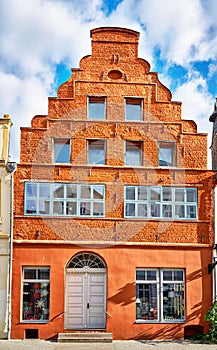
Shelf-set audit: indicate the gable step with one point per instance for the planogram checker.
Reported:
(85, 337)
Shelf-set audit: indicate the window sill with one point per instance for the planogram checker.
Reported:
(159, 322)
(34, 321)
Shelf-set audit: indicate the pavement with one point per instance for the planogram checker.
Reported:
(115, 345)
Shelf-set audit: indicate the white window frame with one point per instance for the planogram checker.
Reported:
(96, 141)
(148, 313)
(40, 300)
(96, 99)
(62, 141)
(138, 145)
(133, 100)
(64, 202)
(158, 207)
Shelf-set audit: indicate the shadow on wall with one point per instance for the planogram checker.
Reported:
(125, 295)
(166, 332)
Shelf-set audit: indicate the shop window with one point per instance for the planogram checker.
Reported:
(160, 202)
(64, 199)
(133, 153)
(133, 108)
(96, 151)
(62, 150)
(160, 295)
(167, 154)
(36, 294)
(96, 107)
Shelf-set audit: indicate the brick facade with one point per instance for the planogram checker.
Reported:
(114, 71)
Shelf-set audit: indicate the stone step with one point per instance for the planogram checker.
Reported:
(85, 337)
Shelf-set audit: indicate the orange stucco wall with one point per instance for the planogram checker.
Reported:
(121, 262)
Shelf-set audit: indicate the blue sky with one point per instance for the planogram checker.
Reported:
(41, 40)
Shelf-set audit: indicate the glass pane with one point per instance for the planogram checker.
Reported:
(179, 195)
(167, 194)
(44, 274)
(151, 275)
(191, 195)
(173, 301)
(96, 110)
(30, 207)
(30, 274)
(36, 301)
(142, 193)
(31, 189)
(191, 212)
(130, 192)
(179, 211)
(146, 301)
(85, 208)
(140, 275)
(58, 208)
(178, 275)
(167, 275)
(165, 156)
(62, 151)
(130, 209)
(133, 154)
(155, 210)
(155, 194)
(133, 109)
(86, 192)
(44, 207)
(167, 211)
(98, 192)
(98, 209)
(143, 210)
(96, 151)
(71, 208)
(71, 191)
(44, 190)
(58, 191)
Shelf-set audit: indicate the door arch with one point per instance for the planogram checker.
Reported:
(85, 302)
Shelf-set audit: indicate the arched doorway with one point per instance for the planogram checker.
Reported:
(85, 292)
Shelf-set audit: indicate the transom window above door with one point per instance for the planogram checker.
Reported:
(133, 108)
(86, 260)
(96, 107)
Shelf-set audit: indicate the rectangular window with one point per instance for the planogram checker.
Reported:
(64, 199)
(167, 154)
(62, 150)
(96, 151)
(96, 107)
(133, 108)
(160, 202)
(36, 294)
(160, 295)
(133, 153)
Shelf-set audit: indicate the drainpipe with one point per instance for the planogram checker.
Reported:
(11, 167)
(215, 247)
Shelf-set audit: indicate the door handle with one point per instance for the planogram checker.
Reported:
(88, 305)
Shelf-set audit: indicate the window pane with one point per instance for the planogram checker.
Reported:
(191, 211)
(44, 274)
(36, 301)
(58, 208)
(133, 153)
(155, 210)
(85, 208)
(96, 152)
(155, 194)
(133, 108)
(179, 211)
(98, 192)
(58, 191)
(96, 107)
(30, 207)
(44, 190)
(191, 195)
(173, 301)
(165, 156)
(142, 193)
(31, 189)
(167, 194)
(30, 274)
(167, 211)
(85, 192)
(151, 275)
(71, 191)
(167, 275)
(179, 195)
(44, 207)
(143, 210)
(146, 301)
(130, 192)
(71, 208)
(62, 151)
(178, 275)
(130, 209)
(98, 209)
